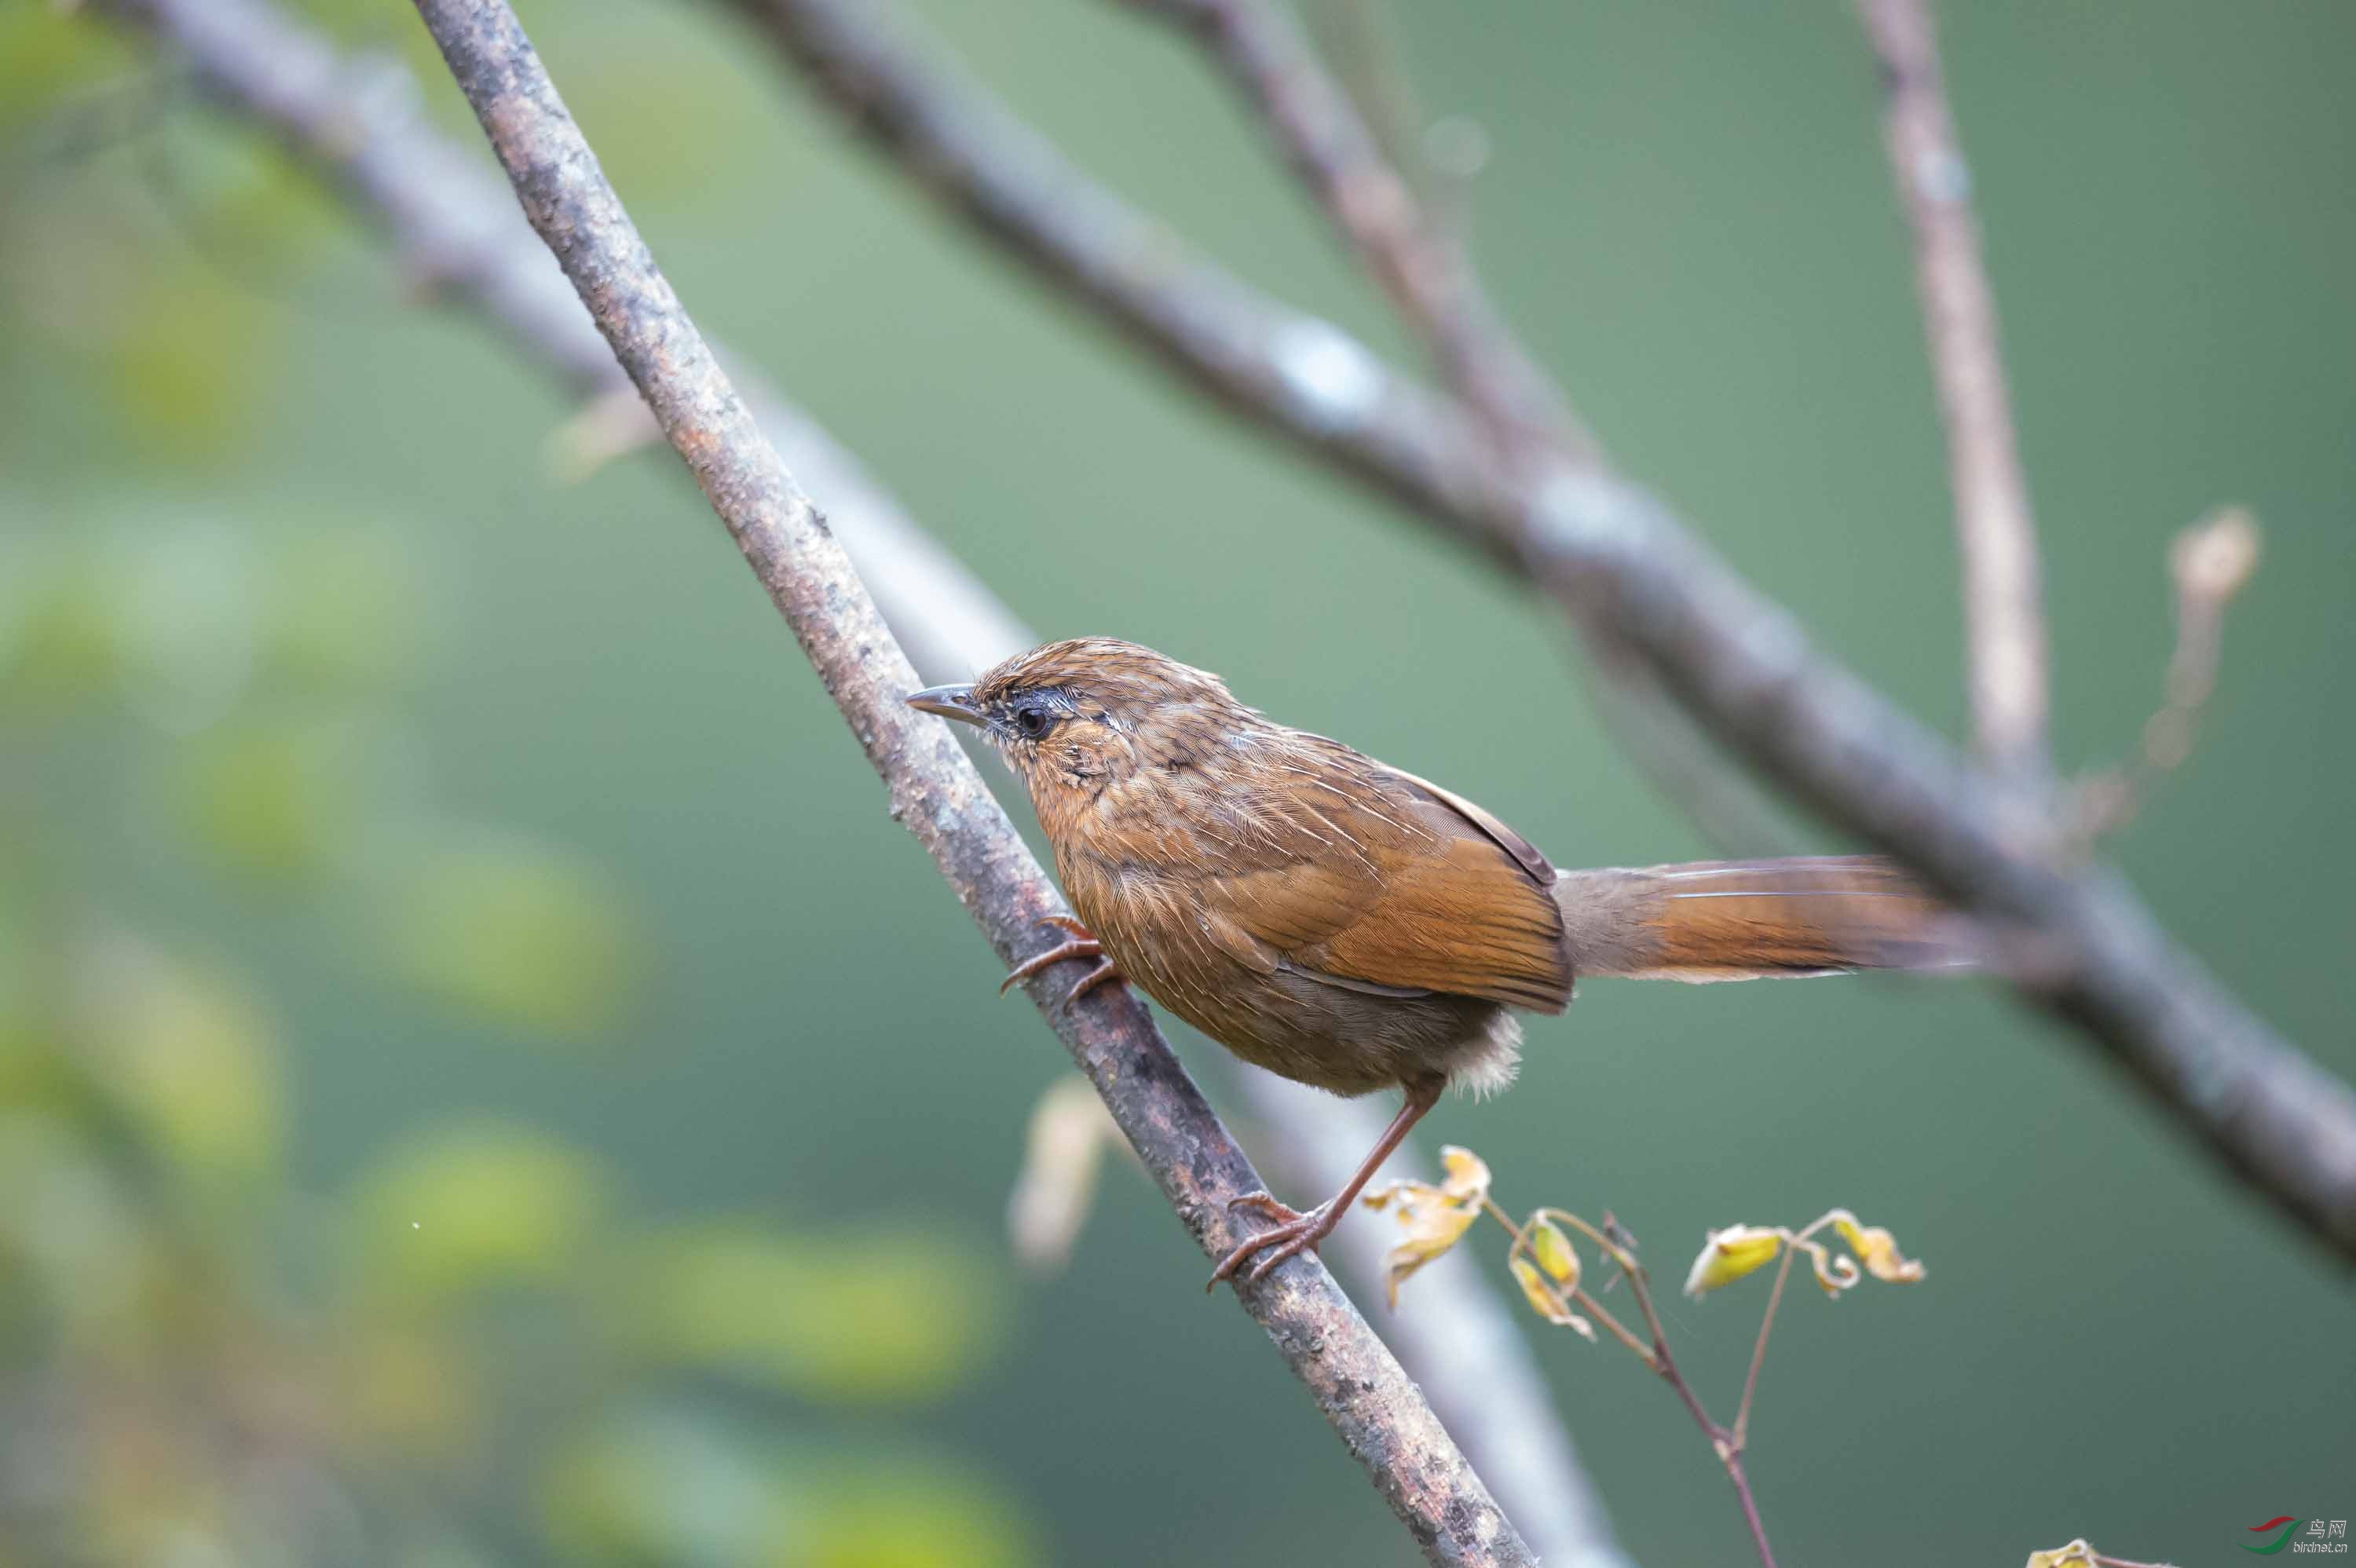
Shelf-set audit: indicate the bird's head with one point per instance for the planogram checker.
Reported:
(1088, 714)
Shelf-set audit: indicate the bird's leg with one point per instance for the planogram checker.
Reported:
(1297, 1233)
(1083, 945)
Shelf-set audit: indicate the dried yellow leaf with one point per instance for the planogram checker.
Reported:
(1876, 1250)
(1731, 1254)
(1433, 1225)
(1403, 1193)
(1543, 1298)
(1434, 1218)
(2077, 1554)
(1070, 1130)
(1468, 1174)
(1835, 1271)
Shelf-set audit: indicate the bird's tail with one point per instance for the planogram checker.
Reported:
(1726, 919)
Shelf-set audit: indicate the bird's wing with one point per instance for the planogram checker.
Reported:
(1375, 880)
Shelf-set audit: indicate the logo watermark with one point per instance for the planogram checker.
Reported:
(2285, 1532)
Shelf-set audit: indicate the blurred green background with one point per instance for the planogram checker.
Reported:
(481, 1080)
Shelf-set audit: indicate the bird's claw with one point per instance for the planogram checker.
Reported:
(1293, 1234)
(1083, 945)
(1267, 1204)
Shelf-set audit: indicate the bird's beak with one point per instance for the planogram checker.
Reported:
(948, 701)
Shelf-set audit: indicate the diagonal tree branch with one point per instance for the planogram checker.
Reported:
(1419, 264)
(1277, 369)
(935, 789)
(358, 124)
(2004, 620)
(1618, 560)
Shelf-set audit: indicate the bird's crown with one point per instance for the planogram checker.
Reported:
(1117, 675)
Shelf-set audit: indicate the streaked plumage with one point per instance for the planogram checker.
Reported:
(1348, 924)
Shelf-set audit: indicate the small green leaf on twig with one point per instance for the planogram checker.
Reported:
(1553, 1251)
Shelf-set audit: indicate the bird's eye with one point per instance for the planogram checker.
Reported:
(1032, 723)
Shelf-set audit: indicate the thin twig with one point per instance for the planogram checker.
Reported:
(1759, 1351)
(358, 124)
(1721, 1441)
(1418, 262)
(1579, 1296)
(2004, 617)
(1463, 1343)
(1613, 556)
(1727, 1445)
(1359, 38)
(2209, 562)
(935, 791)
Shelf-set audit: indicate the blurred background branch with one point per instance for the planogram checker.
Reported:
(2004, 618)
(1420, 263)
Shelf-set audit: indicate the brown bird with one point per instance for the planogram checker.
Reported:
(1351, 926)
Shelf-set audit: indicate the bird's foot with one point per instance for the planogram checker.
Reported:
(1294, 1233)
(1083, 945)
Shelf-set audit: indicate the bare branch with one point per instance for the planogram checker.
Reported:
(1731, 808)
(458, 225)
(1277, 369)
(934, 790)
(1615, 558)
(2004, 618)
(1420, 265)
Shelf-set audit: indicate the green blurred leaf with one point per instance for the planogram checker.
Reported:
(1553, 1251)
(878, 1314)
(68, 1226)
(882, 1517)
(64, 638)
(520, 932)
(372, 32)
(410, 1390)
(675, 1489)
(188, 1050)
(50, 57)
(144, 600)
(477, 1204)
(345, 609)
(186, 359)
(683, 120)
(183, 582)
(661, 1488)
(278, 799)
(249, 210)
(20, 1027)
